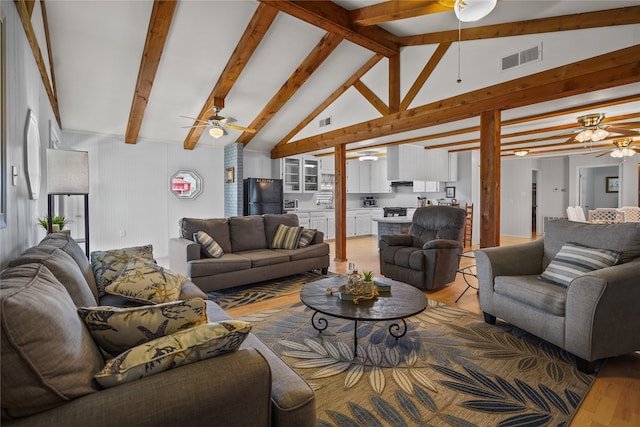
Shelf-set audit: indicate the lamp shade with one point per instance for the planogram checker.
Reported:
(67, 172)
(473, 10)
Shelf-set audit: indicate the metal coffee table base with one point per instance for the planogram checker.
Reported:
(321, 323)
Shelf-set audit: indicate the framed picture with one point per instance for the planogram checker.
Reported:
(185, 184)
(450, 192)
(229, 175)
(613, 184)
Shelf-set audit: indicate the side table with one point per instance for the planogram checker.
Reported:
(468, 272)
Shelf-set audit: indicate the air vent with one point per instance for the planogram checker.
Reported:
(532, 54)
(325, 122)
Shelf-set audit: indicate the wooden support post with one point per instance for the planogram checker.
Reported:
(490, 179)
(341, 202)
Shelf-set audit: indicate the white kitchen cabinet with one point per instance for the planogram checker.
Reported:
(311, 174)
(353, 176)
(453, 167)
(426, 186)
(331, 227)
(367, 177)
(375, 214)
(413, 163)
(419, 186)
(379, 182)
(327, 164)
(351, 225)
(289, 170)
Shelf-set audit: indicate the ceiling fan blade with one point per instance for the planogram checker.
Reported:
(622, 131)
(606, 152)
(196, 119)
(243, 129)
(196, 126)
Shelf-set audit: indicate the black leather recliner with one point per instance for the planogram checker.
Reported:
(428, 257)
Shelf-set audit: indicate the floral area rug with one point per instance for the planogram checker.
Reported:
(248, 294)
(450, 369)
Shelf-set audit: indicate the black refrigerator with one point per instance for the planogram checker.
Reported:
(263, 195)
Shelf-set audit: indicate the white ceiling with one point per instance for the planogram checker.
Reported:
(97, 48)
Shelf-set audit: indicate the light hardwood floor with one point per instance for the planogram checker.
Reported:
(614, 399)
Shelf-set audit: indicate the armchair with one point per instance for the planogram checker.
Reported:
(594, 317)
(428, 257)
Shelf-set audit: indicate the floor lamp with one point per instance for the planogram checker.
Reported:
(68, 174)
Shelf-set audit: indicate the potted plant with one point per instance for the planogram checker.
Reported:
(367, 276)
(58, 220)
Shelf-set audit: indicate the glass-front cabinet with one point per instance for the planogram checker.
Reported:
(311, 174)
(292, 175)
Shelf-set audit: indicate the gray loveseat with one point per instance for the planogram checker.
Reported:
(248, 257)
(594, 317)
(49, 359)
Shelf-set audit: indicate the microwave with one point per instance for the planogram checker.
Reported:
(291, 204)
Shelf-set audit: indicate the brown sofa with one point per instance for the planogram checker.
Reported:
(49, 359)
(248, 257)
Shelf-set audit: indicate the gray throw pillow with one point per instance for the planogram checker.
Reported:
(575, 260)
(306, 237)
(210, 247)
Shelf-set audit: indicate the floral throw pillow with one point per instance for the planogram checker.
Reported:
(147, 283)
(117, 329)
(178, 349)
(108, 265)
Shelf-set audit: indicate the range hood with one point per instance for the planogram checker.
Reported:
(402, 183)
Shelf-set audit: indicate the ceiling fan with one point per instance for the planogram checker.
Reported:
(594, 130)
(623, 148)
(218, 124)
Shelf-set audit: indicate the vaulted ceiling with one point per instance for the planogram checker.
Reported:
(383, 72)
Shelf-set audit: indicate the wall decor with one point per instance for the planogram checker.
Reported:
(185, 184)
(613, 184)
(450, 192)
(32, 154)
(229, 175)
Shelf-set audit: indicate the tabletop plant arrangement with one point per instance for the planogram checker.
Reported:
(358, 287)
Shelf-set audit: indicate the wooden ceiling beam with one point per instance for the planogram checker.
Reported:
(394, 10)
(578, 21)
(424, 74)
(309, 65)
(373, 99)
(335, 95)
(45, 22)
(251, 38)
(601, 72)
(157, 33)
(22, 7)
(335, 19)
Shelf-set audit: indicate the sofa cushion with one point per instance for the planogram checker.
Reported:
(286, 237)
(404, 256)
(147, 283)
(48, 355)
(71, 247)
(171, 351)
(272, 221)
(576, 260)
(618, 237)
(311, 251)
(210, 266)
(531, 291)
(306, 237)
(107, 265)
(117, 329)
(209, 247)
(263, 257)
(247, 233)
(217, 228)
(63, 267)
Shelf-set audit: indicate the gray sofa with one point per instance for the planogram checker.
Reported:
(49, 359)
(596, 316)
(248, 257)
(427, 257)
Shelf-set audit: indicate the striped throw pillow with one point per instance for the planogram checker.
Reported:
(286, 237)
(306, 237)
(575, 260)
(210, 247)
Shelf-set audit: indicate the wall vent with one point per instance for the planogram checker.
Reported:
(325, 122)
(532, 54)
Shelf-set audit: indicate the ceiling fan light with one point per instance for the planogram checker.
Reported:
(521, 153)
(617, 154)
(585, 135)
(628, 152)
(216, 132)
(367, 158)
(599, 134)
(473, 10)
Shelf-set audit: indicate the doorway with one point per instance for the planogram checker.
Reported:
(534, 203)
(593, 187)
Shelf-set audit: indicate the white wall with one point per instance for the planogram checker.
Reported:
(129, 199)
(23, 91)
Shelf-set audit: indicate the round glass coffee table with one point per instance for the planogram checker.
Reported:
(400, 302)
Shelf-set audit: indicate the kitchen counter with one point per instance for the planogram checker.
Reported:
(394, 219)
